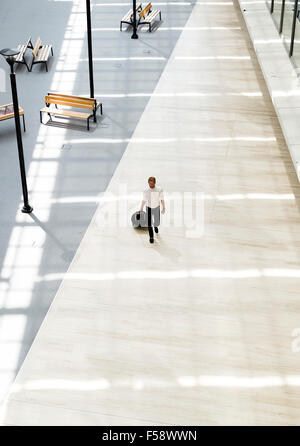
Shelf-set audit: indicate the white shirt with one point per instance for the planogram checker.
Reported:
(153, 196)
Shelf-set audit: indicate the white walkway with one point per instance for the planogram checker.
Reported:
(194, 329)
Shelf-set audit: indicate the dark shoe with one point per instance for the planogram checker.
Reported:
(156, 230)
(151, 240)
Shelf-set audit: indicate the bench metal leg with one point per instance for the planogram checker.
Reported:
(88, 123)
(101, 109)
(50, 117)
(46, 66)
(52, 51)
(120, 26)
(26, 65)
(41, 118)
(24, 123)
(23, 62)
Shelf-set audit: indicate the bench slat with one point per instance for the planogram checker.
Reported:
(145, 10)
(151, 16)
(43, 55)
(71, 97)
(126, 17)
(67, 102)
(10, 115)
(36, 47)
(6, 105)
(40, 54)
(74, 102)
(71, 114)
(22, 49)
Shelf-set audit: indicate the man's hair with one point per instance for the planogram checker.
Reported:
(152, 179)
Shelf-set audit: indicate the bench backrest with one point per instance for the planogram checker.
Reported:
(28, 42)
(72, 97)
(71, 101)
(138, 9)
(145, 11)
(36, 47)
(20, 56)
(25, 48)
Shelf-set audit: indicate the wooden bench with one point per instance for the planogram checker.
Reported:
(147, 16)
(7, 112)
(128, 18)
(73, 102)
(20, 58)
(41, 53)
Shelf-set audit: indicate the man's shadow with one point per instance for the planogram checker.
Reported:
(165, 250)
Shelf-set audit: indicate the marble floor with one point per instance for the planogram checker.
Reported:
(202, 327)
(65, 180)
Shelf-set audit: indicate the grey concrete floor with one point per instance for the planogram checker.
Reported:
(85, 168)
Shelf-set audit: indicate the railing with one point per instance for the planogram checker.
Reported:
(285, 14)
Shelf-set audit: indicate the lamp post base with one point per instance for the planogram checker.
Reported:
(27, 209)
(134, 36)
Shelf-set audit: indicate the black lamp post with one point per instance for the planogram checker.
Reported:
(90, 48)
(9, 55)
(134, 34)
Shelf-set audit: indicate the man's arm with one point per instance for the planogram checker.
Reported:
(162, 200)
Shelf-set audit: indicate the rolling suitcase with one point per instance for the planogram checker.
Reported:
(139, 220)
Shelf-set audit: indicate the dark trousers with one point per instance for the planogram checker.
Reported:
(153, 219)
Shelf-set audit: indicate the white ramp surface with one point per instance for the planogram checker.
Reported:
(196, 328)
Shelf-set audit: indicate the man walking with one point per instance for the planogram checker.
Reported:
(152, 197)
